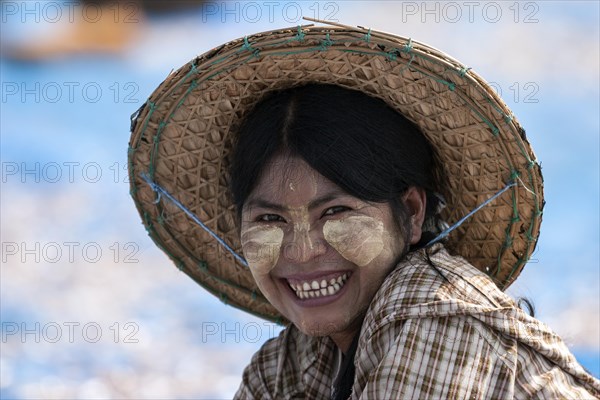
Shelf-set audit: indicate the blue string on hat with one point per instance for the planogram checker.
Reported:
(160, 191)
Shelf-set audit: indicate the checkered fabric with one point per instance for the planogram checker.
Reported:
(443, 332)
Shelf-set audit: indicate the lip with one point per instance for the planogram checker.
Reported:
(315, 301)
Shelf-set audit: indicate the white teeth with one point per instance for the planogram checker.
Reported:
(314, 289)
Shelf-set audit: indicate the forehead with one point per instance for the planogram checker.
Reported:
(291, 178)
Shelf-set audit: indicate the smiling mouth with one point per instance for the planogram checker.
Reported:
(319, 287)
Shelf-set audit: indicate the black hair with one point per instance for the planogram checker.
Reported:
(355, 140)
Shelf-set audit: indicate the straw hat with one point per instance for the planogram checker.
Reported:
(182, 138)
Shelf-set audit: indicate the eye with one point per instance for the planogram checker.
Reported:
(269, 218)
(335, 210)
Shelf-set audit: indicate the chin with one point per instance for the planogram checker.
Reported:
(315, 326)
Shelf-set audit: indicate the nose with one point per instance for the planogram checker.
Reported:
(304, 245)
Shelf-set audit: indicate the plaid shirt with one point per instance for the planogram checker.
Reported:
(445, 334)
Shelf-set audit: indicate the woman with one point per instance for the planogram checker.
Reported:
(326, 155)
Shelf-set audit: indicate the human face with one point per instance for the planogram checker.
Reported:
(318, 254)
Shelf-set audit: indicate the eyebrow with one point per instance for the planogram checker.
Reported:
(314, 203)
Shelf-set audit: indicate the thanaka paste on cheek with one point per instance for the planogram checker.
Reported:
(359, 239)
(261, 245)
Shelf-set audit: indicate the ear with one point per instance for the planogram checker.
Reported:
(415, 201)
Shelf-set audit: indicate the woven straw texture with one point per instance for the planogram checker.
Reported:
(181, 138)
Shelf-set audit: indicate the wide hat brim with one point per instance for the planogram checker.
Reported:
(182, 139)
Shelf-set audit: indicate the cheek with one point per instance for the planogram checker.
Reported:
(359, 239)
(261, 245)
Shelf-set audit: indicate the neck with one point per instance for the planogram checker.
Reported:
(343, 340)
(345, 377)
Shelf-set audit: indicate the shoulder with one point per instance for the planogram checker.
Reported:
(434, 298)
(421, 339)
(261, 375)
(276, 352)
(432, 286)
(278, 368)
(433, 283)
(433, 308)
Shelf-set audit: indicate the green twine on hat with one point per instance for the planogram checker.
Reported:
(203, 266)
(246, 45)
(463, 71)
(193, 69)
(223, 298)
(299, 35)
(249, 48)
(368, 36)
(495, 130)
(326, 43)
(408, 47)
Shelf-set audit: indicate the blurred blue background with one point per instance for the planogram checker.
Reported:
(90, 308)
